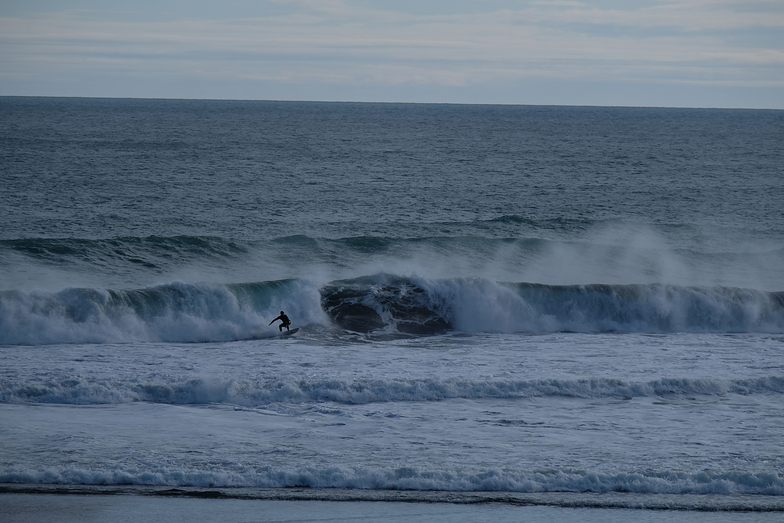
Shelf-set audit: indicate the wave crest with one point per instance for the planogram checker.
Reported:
(380, 305)
(251, 393)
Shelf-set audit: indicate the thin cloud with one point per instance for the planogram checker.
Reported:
(335, 41)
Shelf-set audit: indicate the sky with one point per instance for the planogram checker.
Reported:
(674, 53)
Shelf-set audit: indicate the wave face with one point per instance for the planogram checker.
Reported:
(378, 305)
(176, 312)
(417, 306)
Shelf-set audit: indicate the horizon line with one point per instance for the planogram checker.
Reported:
(500, 104)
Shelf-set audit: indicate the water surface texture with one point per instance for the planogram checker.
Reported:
(513, 299)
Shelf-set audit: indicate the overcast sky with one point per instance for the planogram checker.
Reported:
(681, 53)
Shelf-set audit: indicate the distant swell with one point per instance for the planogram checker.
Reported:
(250, 393)
(150, 253)
(380, 305)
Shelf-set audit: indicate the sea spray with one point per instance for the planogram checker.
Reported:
(380, 304)
(173, 312)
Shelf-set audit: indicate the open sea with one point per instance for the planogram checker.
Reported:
(555, 306)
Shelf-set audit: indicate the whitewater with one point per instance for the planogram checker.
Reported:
(577, 307)
(380, 305)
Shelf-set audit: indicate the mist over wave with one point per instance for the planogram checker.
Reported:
(377, 305)
(610, 253)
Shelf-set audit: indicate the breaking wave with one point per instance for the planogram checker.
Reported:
(415, 479)
(419, 306)
(255, 393)
(378, 305)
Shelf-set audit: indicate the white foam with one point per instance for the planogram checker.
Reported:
(475, 305)
(254, 393)
(413, 478)
(173, 312)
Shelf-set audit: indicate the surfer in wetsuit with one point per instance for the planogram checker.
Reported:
(284, 321)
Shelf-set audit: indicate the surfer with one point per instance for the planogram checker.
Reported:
(284, 321)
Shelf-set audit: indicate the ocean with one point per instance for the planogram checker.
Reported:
(554, 306)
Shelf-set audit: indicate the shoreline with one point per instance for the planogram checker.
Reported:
(609, 500)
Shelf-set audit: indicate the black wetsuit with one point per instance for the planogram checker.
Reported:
(284, 321)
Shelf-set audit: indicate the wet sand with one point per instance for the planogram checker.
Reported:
(38, 504)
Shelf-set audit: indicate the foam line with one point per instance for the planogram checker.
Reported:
(255, 393)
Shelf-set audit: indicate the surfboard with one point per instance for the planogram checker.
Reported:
(268, 335)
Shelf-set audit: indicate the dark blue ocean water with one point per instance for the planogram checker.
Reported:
(458, 273)
(251, 171)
